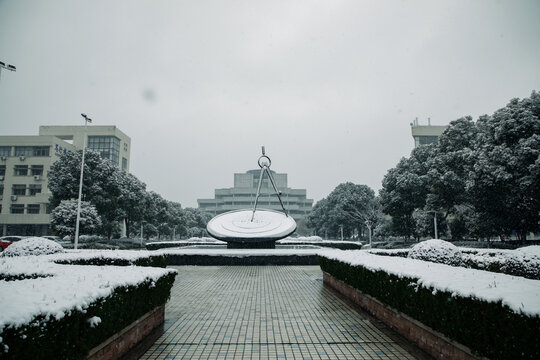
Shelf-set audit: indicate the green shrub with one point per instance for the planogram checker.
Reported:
(489, 329)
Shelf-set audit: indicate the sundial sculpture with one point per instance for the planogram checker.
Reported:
(254, 228)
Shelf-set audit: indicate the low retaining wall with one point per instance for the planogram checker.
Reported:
(121, 343)
(429, 340)
(209, 260)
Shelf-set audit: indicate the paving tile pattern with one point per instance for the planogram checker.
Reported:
(266, 312)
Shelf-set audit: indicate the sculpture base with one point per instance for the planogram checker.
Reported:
(270, 244)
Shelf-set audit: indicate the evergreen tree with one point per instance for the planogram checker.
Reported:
(64, 217)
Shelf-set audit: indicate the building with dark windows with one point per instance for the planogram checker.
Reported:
(25, 162)
(109, 141)
(242, 196)
(426, 134)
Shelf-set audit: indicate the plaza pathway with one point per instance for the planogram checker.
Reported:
(267, 312)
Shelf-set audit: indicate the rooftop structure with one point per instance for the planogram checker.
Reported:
(426, 134)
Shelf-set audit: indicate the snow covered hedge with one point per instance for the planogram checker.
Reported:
(496, 315)
(62, 311)
(182, 243)
(523, 262)
(318, 241)
(115, 257)
(33, 246)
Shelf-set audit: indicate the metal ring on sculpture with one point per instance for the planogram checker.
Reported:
(264, 157)
(236, 226)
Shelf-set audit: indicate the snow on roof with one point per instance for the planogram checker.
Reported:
(518, 293)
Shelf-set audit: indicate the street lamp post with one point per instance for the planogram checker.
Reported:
(86, 121)
(341, 230)
(435, 224)
(369, 224)
(9, 67)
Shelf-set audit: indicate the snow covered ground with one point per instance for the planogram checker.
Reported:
(520, 294)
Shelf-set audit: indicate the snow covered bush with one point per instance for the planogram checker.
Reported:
(64, 216)
(33, 246)
(438, 251)
(523, 262)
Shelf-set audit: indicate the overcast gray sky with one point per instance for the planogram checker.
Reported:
(329, 87)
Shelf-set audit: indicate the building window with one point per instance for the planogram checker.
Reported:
(32, 150)
(17, 208)
(24, 150)
(41, 150)
(36, 170)
(21, 170)
(5, 150)
(32, 209)
(426, 140)
(1, 190)
(125, 147)
(2, 170)
(124, 164)
(18, 189)
(34, 189)
(107, 146)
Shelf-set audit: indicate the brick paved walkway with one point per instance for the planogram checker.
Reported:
(267, 312)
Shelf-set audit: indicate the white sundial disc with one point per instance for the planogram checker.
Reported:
(266, 225)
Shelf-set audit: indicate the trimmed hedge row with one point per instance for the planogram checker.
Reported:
(72, 337)
(11, 277)
(151, 261)
(398, 253)
(488, 329)
(489, 261)
(333, 245)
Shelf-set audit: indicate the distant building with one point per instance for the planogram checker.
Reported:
(25, 162)
(426, 134)
(242, 196)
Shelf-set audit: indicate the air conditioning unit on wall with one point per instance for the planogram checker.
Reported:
(37, 177)
(4, 158)
(1, 177)
(13, 197)
(22, 157)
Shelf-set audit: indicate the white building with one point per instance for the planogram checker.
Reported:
(242, 196)
(25, 162)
